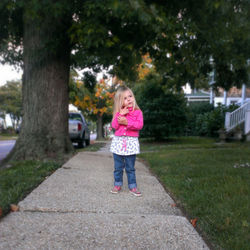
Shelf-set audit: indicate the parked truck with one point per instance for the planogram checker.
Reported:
(78, 129)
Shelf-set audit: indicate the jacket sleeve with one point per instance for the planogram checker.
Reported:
(115, 123)
(136, 124)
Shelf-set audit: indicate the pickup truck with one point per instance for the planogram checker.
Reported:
(78, 129)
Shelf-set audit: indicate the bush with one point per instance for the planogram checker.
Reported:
(164, 112)
(9, 131)
(208, 124)
(193, 111)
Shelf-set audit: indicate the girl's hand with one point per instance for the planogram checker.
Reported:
(124, 110)
(122, 120)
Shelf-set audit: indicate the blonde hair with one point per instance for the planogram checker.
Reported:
(118, 100)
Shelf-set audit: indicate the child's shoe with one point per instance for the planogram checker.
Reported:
(116, 190)
(135, 192)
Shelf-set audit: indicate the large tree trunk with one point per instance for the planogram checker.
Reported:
(99, 124)
(44, 130)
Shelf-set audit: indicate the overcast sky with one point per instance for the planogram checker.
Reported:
(8, 73)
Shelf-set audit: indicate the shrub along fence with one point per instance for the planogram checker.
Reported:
(209, 123)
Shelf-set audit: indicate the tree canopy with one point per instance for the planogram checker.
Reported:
(96, 104)
(164, 112)
(180, 36)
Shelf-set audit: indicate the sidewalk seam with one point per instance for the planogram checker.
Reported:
(98, 213)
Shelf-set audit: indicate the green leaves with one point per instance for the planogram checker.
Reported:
(118, 33)
(163, 111)
(209, 123)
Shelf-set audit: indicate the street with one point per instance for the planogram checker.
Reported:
(5, 148)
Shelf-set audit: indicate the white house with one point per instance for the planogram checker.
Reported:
(233, 96)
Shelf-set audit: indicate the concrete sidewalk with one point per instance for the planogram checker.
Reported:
(74, 209)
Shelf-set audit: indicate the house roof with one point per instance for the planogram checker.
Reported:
(198, 94)
(233, 92)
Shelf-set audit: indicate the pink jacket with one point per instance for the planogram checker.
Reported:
(135, 123)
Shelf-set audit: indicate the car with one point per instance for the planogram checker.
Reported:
(78, 129)
(18, 128)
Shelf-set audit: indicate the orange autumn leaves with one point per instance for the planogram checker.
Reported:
(192, 221)
(145, 67)
(13, 208)
(98, 103)
(101, 101)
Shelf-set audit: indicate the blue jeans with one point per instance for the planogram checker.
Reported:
(127, 162)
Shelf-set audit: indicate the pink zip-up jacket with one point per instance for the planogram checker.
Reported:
(135, 123)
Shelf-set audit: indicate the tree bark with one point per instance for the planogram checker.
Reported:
(99, 124)
(44, 130)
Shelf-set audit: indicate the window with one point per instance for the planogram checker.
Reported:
(76, 117)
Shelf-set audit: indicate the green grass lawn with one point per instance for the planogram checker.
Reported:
(92, 147)
(20, 179)
(210, 182)
(4, 137)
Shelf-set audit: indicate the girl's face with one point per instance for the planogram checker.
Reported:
(128, 99)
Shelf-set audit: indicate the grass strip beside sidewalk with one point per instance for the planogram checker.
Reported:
(92, 147)
(20, 179)
(210, 182)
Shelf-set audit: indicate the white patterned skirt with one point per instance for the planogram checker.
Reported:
(125, 145)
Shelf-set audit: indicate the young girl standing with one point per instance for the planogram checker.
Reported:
(127, 121)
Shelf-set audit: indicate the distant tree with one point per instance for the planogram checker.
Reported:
(11, 101)
(164, 111)
(95, 104)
